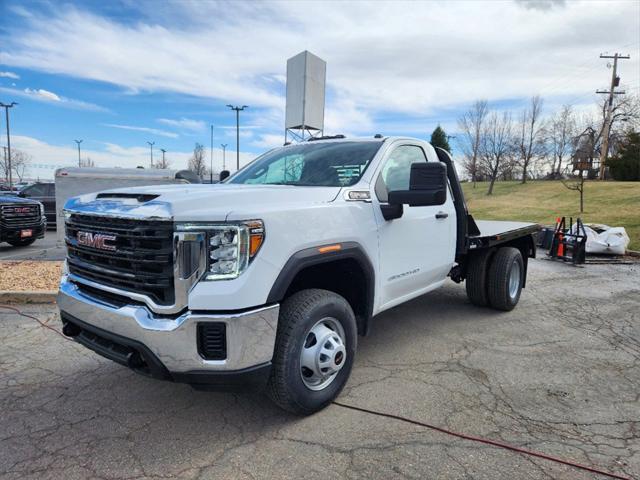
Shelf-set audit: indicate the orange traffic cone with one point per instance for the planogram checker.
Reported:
(560, 245)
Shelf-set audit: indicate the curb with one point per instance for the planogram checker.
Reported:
(28, 296)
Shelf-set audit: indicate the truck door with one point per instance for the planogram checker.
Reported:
(416, 250)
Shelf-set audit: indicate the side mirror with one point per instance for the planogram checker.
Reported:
(224, 174)
(427, 186)
(23, 194)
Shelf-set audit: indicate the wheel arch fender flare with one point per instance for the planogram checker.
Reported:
(315, 256)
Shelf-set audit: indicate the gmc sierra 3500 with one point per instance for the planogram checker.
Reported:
(269, 277)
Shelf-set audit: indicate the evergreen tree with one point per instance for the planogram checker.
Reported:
(439, 139)
(626, 164)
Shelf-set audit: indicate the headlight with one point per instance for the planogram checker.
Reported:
(231, 247)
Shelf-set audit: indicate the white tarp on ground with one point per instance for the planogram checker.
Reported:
(605, 239)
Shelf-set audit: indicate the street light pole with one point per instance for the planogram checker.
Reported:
(79, 142)
(151, 144)
(6, 112)
(224, 155)
(237, 110)
(164, 165)
(211, 169)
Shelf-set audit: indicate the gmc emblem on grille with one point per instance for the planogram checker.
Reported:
(96, 240)
(22, 210)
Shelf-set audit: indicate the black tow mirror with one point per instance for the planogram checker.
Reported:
(224, 174)
(427, 186)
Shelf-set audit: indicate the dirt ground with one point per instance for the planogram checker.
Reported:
(29, 275)
(560, 374)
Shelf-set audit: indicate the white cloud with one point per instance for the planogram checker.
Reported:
(47, 157)
(152, 131)
(12, 75)
(42, 95)
(409, 58)
(46, 94)
(184, 124)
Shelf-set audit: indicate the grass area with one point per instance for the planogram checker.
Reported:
(616, 204)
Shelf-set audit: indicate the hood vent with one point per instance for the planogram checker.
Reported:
(139, 197)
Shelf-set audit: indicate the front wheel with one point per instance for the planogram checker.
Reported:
(314, 352)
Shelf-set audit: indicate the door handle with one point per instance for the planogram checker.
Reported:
(441, 215)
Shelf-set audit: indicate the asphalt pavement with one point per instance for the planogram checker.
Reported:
(560, 374)
(42, 249)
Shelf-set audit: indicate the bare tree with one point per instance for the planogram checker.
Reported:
(87, 163)
(496, 146)
(197, 162)
(530, 144)
(625, 109)
(19, 164)
(471, 124)
(163, 163)
(559, 138)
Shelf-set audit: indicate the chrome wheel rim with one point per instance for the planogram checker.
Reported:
(323, 354)
(514, 280)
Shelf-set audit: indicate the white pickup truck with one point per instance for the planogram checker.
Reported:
(268, 278)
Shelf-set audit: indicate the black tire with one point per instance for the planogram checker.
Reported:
(21, 243)
(476, 280)
(500, 271)
(298, 314)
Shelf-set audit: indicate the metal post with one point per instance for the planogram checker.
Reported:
(211, 169)
(79, 142)
(164, 164)
(6, 111)
(224, 155)
(151, 144)
(237, 110)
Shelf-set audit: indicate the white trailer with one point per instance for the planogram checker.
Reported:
(71, 182)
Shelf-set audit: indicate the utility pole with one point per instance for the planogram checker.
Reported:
(606, 129)
(224, 155)
(151, 144)
(237, 110)
(6, 112)
(79, 142)
(164, 165)
(211, 167)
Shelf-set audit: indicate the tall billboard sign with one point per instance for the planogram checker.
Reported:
(306, 78)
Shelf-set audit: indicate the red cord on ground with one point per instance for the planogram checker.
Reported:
(485, 441)
(26, 315)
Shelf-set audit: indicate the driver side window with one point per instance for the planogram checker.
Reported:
(397, 170)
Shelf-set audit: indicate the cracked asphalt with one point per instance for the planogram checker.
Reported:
(560, 374)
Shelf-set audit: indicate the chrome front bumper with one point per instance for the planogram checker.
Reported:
(173, 340)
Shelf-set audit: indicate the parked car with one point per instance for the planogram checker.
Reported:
(5, 190)
(269, 277)
(45, 193)
(22, 221)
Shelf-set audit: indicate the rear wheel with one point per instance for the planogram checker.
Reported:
(505, 279)
(22, 243)
(476, 280)
(314, 352)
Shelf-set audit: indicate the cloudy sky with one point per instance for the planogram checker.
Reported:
(118, 74)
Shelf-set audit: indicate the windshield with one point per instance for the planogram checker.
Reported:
(328, 164)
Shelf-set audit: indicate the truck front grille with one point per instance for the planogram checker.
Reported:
(137, 255)
(19, 216)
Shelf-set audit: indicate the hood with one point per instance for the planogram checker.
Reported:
(4, 199)
(198, 202)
